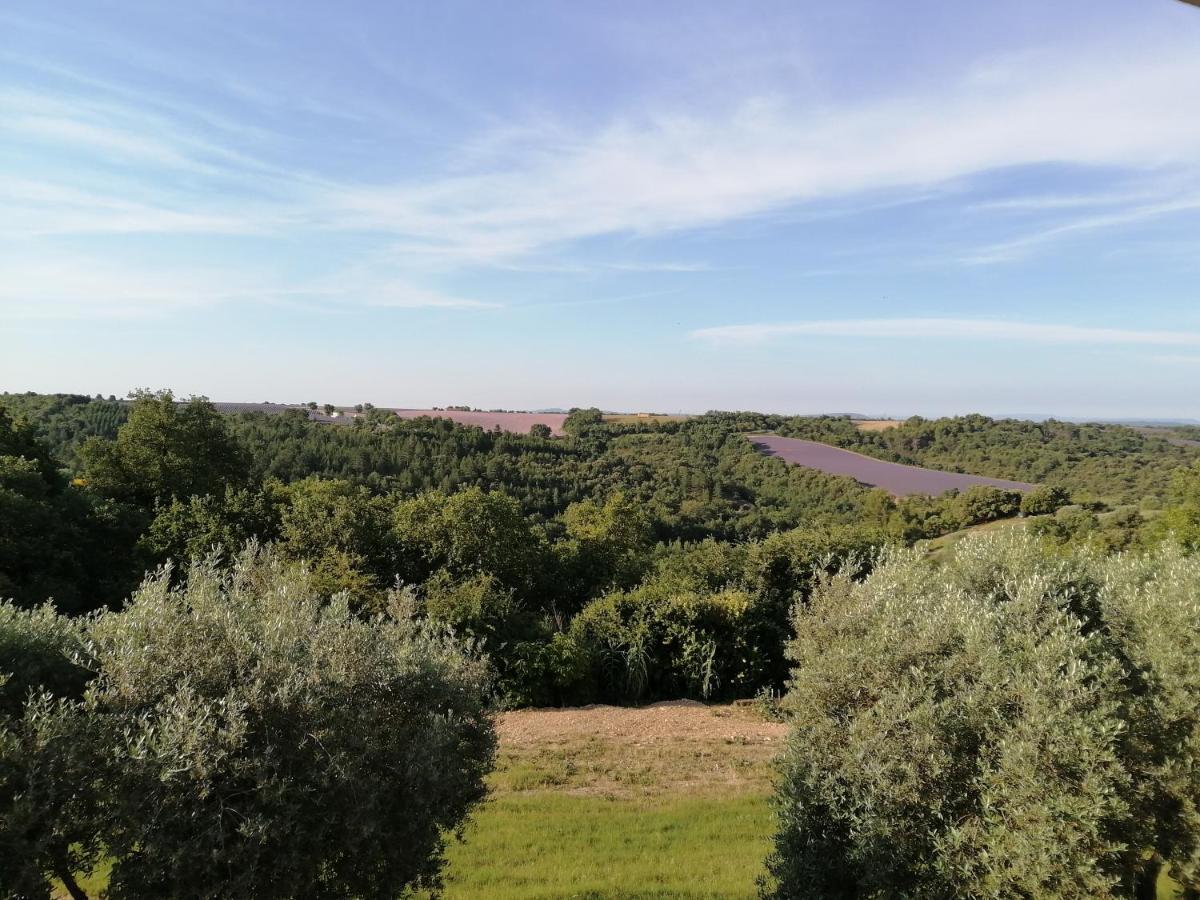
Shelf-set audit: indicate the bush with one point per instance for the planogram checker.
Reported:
(40, 652)
(249, 737)
(1044, 500)
(983, 503)
(1007, 724)
(655, 642)
(48, 799)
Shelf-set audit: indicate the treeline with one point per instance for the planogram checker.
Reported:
(1093, 462)
(623, 563)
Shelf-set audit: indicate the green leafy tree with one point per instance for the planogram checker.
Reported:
(165, 450)
(540, 430)
(470, 533)
(244, 735)
(607, 545)
(18, 439)
(984, 503)
(580, 421)
(49, 794)
(1044, 500)
(343, 532)
(1181, 517)
(56, 542)
(1010, 723)
(194, 527)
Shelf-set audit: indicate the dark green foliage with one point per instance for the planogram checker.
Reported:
(1181, 520)
(1044, 500)
(654, 642)
(194, 527)
(711, 620)
(581, 421)
(165, 450)
(56, 542)
(40, 652)
(981, 503)
(607, 546)
(48, 795)
(52, 795)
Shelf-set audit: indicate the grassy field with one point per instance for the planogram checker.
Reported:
(939, 547)
(876, 424)
(662, 802)
(668, 801)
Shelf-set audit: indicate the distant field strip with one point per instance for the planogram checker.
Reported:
(894, 478)
(518, 422)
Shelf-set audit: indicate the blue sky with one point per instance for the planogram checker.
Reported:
(854, 206)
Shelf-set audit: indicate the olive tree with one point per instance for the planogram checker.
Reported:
(49, 776)
(1008, 724)
(246, 736)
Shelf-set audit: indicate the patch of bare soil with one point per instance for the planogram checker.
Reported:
(620, 751)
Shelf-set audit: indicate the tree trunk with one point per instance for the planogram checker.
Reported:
(1145, 886)
(67, 877)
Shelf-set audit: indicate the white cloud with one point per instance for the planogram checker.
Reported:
(670, 171)
(79, 287)
(1018, 247)
(518, 194)
(953, 329)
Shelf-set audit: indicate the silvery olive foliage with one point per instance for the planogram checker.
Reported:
(1006, 724)
(256, 739)
(49, 786)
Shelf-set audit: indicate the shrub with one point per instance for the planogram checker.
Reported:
(39, 653)
(1007, 724)
(983, 503)
(1044, 500)
(656, 642)
(249, 737)
(48, 795)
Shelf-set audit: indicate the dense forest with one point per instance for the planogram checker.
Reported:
(158, 551)
(624, 561)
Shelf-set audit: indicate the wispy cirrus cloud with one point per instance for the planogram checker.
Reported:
(1028, 243)
(668, 171)
(74, 286)
(95, 162)
(952, 329)
(525, 188)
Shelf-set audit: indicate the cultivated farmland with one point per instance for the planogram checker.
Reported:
(894, 478)
(518, 422)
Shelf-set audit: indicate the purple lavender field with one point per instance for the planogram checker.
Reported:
(894, 478)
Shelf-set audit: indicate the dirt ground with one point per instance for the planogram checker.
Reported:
(621, 752)
(876, 424)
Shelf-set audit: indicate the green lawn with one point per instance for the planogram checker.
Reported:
(599, 802)
(554, 845)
